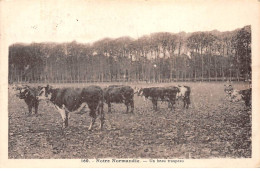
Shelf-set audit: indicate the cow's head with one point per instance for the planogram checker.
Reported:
(23, 91)
(228, 89)
(44, 93)
(137, 90)
(181, 92)
(140, 92)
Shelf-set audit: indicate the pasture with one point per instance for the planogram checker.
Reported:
(211, 128)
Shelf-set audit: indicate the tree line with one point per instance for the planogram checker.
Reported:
(158, 57)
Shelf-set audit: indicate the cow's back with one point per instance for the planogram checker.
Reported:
(118, 93)
(92, 94)
(69, 97)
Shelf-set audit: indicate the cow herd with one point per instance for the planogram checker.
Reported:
(68, 101)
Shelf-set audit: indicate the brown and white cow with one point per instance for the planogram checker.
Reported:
(70, 100)
(119, 94)
(156, 94)
(184, 95)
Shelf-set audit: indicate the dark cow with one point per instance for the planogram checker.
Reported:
(156, 94)
(70, 100)
(246, 96)
(184, 94)
(119, 94)
(29, 95)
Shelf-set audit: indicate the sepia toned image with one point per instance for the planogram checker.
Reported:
(130, 82)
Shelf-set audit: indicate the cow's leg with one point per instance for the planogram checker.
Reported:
(102, 115)
(30, 106)
(100, 110)
(66, 119)
(154, 101)
(172, 104)
(109, 107)
(169, 104)
(93, 119)
(153, 104)
(188, 102)
(93, 106)
(64, 116)
(132, 105)
(127, 107)
(36, 107)
(184, 103)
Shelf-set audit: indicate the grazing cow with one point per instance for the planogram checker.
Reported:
(70, 100)
(184, 94)
(245, 95)
(29, 95)
(119, 94)
(238, 95)
(156, 94)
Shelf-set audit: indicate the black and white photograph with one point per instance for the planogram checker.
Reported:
(130, 83)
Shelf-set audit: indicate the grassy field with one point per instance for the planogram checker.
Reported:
(211, 128)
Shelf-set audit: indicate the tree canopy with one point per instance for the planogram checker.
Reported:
(158, 57)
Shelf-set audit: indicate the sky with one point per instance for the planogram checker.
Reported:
(87, 21)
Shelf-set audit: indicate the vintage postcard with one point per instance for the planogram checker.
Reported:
(122, 83)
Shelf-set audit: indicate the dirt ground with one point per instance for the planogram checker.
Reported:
(211, 128)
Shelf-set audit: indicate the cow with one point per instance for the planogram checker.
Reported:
(29, 94)
(238, 95)
(119, 94)
(70, 100)
(184, 95)
(156, 94)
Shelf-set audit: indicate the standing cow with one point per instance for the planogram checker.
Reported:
(69, 100)
(184, 95)
(29, 95)
(156, 94)
(119, 94)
